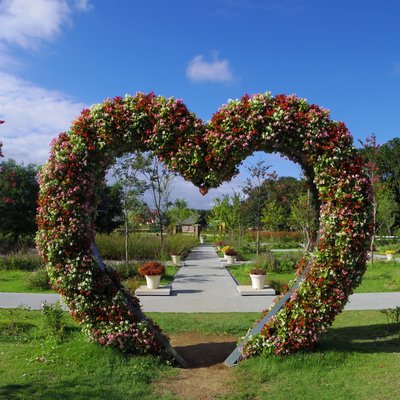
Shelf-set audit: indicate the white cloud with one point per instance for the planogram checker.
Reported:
(27, 23)
(199, 70)
(34, 116)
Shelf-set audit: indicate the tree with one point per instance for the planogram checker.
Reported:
(389, 166)
(132, 189)
(159, 180)
(227, 213)
(139, 214)
(109, 210)
(303, 218)
(371, 153)
(387, 209)
(273, 215)
(179, 212)
(18, 198)
(255, 189)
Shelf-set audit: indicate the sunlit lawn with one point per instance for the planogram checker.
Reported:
(359, 358)
(381, 276)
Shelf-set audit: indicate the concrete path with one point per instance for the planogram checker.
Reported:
(202, 284)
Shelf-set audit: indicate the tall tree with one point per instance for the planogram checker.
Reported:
(227, 213)
(254, 187)
(389, 166)
(273, 215)
(159, 181)
(18, 197)
(387, 209)
(132, 189)
(303, 218)
(371, 153)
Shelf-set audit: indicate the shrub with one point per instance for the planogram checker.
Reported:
(53, 324)
(266, 261)
(39, 280)
(151, 268)
(393, 318)
(287, 262)
(132, 284)
(24, 261)
(278, 286)
(123, 270)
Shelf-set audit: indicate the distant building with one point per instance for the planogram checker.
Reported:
(192, 224)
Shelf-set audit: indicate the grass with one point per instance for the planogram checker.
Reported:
(38, 368)
(358, 359)
(15, 281)
(381, 276)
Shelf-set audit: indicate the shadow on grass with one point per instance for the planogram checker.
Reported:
(66, 390)
(379, 338)
(203, 355)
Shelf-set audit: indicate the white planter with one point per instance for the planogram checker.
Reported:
(257, 281)
(389, 257)
(225, 256)
(153, 281)
(231, 259)
(202, 240)
(176, 259)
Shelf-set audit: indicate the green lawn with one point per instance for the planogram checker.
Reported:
(381, 276)
(359, 358)
(15, 281)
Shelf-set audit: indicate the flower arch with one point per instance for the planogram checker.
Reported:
(207, 155)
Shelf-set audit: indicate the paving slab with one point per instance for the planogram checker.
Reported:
(160, 291)
(247, 290)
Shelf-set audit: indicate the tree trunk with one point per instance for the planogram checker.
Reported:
(374, 211)
(126, 237)
(258, 241)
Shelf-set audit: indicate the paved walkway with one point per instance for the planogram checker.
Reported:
(202, 284)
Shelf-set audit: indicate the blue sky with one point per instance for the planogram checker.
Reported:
(58, 56)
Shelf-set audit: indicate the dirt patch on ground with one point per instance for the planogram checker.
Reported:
(207, 376)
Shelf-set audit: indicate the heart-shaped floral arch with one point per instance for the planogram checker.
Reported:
(207, 155)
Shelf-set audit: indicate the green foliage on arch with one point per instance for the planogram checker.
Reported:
(207, 155)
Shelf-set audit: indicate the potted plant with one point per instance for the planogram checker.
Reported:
(230, 255)
(176, 258)
(203, 239)
(390, 254)
(257, 276)
(225, 249)
(152, 271)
